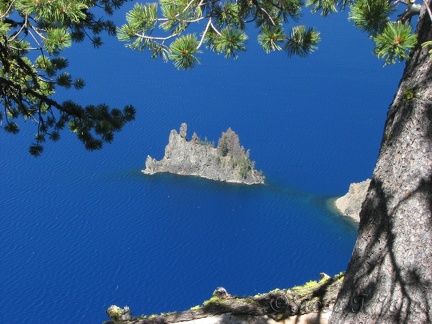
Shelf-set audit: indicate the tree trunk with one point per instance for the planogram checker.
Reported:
(389, 276)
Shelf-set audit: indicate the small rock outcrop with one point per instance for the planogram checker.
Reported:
(227, 162)
(118, 314)
(221, 293)
(351, 203)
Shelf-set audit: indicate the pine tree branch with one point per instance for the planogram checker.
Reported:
(155, 37)
(34, 38)
(186, 8)
(205, 32)
(23, 26)
(7, 84)
(7, 10)
(214, 28)
(263, 10)
(428, 9)
(268, 15)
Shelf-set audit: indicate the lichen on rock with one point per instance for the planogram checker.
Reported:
(228, 162)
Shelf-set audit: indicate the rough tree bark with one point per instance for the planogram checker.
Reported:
(389, 277)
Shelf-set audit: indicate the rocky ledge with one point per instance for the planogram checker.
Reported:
(350, 204)
(227, 162)
(310, 303)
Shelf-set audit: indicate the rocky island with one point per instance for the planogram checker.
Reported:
(228, 162)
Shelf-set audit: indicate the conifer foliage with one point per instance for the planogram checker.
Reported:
(394, 42)
(177, 29)
(33, 33)
(393, 39)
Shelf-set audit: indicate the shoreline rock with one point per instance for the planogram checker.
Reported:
(311, 303)
(228, 162)
(350, 204)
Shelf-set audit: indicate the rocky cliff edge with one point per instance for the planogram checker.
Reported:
(310, 303)
(227, 162)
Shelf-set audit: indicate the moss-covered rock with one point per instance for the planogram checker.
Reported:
(278, 304)
(118, 314)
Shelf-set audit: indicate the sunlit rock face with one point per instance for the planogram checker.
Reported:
(350, 204)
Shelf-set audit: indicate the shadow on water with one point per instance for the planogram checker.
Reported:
(324, 203)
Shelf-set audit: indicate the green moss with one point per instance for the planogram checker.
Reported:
(308, 285)
(325, 280)
(306, 288)
(280, 316)
(115, 312)
(387, 136)
(212, 301)
(248, 300)
(408, 94)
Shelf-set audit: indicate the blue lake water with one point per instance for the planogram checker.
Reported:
(84, 230)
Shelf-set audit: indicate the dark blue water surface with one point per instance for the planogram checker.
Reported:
(81, 231)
